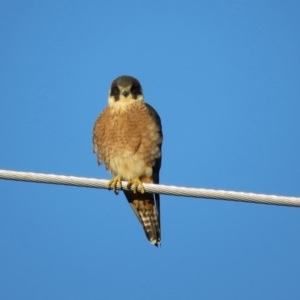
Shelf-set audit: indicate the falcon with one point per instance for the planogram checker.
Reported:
(127, 137)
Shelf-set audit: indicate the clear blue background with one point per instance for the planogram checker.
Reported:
(224, 77)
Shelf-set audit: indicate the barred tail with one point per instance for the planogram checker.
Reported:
(147, 210)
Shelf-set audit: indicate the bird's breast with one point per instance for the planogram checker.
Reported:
(127, 141)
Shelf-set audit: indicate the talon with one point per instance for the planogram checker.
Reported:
(135, 183)
(113, 184)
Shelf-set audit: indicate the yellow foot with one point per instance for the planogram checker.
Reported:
(113, 183)
(135, 183)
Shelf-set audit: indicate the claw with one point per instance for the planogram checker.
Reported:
(135, 183)
(114, 182)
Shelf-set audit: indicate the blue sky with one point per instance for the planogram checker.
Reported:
(224, 77)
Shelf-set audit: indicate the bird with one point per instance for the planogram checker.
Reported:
(127, 137)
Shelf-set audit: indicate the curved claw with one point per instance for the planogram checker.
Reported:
(114, 182)
(135, 183)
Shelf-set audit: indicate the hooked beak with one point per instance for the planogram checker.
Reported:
(125, 93)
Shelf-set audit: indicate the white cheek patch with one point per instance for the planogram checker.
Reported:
(123, 100)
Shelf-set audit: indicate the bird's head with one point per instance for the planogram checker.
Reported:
(125, 89)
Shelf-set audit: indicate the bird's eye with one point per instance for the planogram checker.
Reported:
(116, 89)
(134, 88)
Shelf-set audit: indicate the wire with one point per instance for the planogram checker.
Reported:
(153, 188)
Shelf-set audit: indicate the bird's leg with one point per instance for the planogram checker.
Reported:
(135, 183)
(113, 183)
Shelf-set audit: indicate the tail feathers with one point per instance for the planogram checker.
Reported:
(146, 211)
(151, 225)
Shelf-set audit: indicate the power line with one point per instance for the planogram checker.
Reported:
(153, 188)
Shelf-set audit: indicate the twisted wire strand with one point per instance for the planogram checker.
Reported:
(153, 188)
